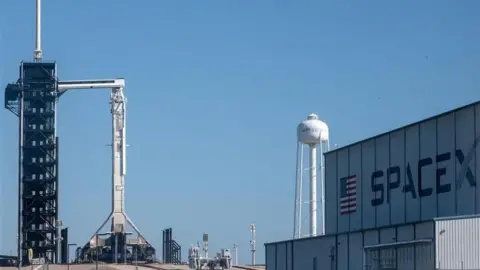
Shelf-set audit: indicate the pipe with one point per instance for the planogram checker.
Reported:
(300, 194)
(322, 189)
(295, 206)
(313, 189)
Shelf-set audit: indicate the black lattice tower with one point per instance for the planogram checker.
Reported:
(172, 251)
(33, 99)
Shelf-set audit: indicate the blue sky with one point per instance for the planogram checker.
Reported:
(215, 91)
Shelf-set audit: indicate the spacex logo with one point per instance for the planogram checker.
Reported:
(310, 130)
(415, 185)
(465, 171)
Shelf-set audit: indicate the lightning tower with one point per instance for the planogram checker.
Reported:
(253, 242)
(312, 132)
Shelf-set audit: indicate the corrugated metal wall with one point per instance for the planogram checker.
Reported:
(422, 171)
(458, 243)
(345, 251)
(271, 256)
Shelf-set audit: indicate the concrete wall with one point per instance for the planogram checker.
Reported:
(345, 251)
(412, 174)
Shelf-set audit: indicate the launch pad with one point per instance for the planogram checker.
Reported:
(118, 246)
(33, 98)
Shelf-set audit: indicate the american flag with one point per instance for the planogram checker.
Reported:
(348, 195)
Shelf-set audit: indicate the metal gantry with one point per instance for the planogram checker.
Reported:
(172, 251)
(117, 242)
(33, 99)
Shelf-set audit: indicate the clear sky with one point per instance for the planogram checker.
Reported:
(215, 91)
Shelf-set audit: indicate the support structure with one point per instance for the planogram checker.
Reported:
(172, 251)
(313, 189)
(223, 259)
(314, 133)
(118, 240)
(64, 246)
(253, 243)
(235, 260)
(205, 245)
(33, 99)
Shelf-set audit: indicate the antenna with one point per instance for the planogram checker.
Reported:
(253, 242)
(312, 132)
(38, 33)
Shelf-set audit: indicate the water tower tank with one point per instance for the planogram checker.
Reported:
(312, 130)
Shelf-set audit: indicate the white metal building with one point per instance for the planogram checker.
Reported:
(384, 197)
(438, 244)
(418, 172)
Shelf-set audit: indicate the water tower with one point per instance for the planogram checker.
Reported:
(314, 133)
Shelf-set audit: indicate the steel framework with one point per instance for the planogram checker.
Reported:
(172, 251)
(33, 99)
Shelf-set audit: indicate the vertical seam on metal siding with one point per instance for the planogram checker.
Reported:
(363, 249)
(337, 182)
(336, 252)
(414, 247)
(436, 164)
(348, 250)
(348, 173)
(379, 238)
(388, 190)
(475, 155)
(276, 255)
(404, 174)
(293, 244)
(374, 169)
(396, 250)
(435, 244)
(418, 169)
(361, 186)
(454, 161)
(286, 256)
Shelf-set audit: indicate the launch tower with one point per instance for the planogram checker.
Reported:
(33, 99)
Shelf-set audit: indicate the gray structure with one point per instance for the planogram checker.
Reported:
(405, 199)
(443, 243)
(415, 173)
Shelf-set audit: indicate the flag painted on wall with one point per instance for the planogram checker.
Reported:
(348, 195)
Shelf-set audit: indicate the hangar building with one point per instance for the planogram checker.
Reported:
(405, 199)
